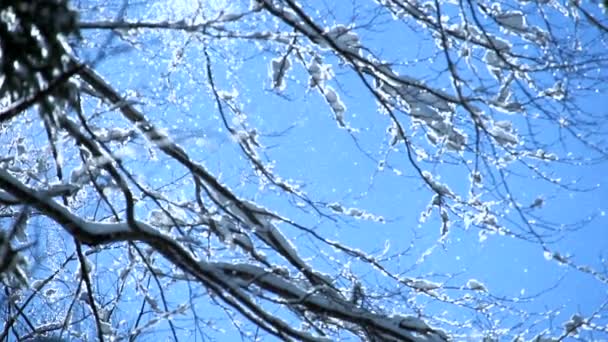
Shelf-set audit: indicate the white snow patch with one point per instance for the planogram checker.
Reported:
(423, 284)
(440, 188)
(513, 20)
(278, 70)
(476, 285)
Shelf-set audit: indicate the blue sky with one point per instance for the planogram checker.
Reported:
(166, 74)
(325, 160)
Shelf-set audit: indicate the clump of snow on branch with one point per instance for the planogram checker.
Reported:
(423, 284)
(513, 20)
(278, 69)
(439, 188)
(337, 106)
(228, 95)
(427, 107)
(476, 285)
(542, 154)
(557, 91)
(319, 72)
(573, 324)
(503, 133)
(354, 212)
(344, 38)
(115, 134)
